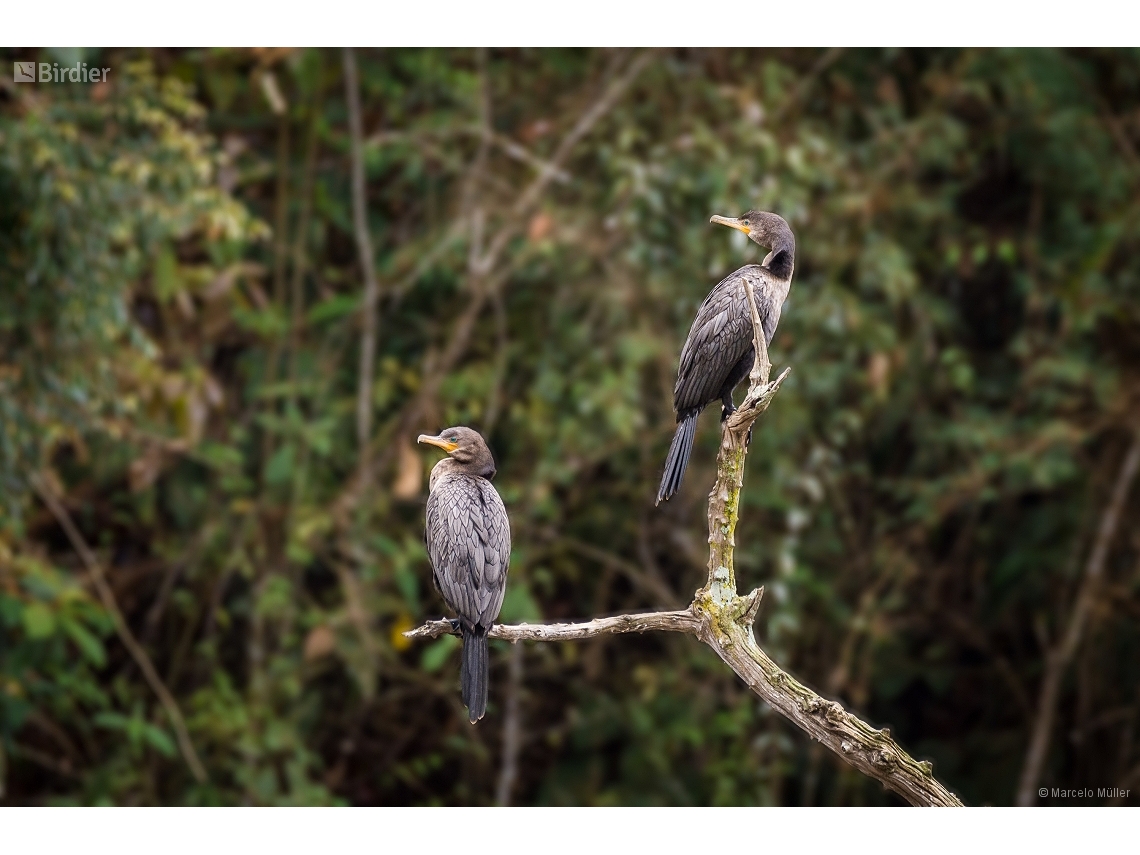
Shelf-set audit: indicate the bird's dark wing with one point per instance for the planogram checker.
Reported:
(497, 548)
(718, 338)
(722, 333)
(469, 543)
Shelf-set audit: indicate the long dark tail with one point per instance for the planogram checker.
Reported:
(678, 459)
(473, 676)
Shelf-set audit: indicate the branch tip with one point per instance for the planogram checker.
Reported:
(750, 607)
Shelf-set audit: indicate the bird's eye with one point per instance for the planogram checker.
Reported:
(746, 222)
(453, 438)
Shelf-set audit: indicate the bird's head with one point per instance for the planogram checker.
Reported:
(770, 231)
(466, 447)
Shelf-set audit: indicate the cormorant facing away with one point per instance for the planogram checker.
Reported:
(468, 540)
(719, 351)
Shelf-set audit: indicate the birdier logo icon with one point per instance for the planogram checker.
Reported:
(53, 72)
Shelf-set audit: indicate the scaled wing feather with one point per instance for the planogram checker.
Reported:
(468, 540)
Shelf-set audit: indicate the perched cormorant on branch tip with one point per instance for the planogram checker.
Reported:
(468, 541)
(719, 351)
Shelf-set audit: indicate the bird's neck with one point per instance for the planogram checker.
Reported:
(781, 262)
(782, 258)
(782, 244)
(451, 466)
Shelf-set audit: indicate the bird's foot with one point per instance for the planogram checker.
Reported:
(748, 439)
(726, 410)
(454, 623)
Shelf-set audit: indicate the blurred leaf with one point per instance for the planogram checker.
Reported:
(438, 652)
(332, 308)
(90, 646)
(518, 604)
(279, 470)
(39, 622)
(165, 274)
(160, 740)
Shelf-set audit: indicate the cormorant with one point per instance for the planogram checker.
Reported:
(719, 351)
(468, 541)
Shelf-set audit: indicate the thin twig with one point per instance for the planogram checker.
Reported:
(1059, 658)
(511, 148)
(522, 154)
(977, 639)
(154, 614)
(761, 366)
(107, 597)
(641, 578)
(60, 767)
(364, 248)
(495, 395)
(357, 613)
(280, 238)
(512, 728)
(583, 126)
(425, 261)
(301, 237)
(825, 61)
(57, 734)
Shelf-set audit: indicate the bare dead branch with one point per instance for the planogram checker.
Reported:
(107, 597)
(680, 621)
(873, 752)
(722, 619)
(1058, 659)
(521, 153)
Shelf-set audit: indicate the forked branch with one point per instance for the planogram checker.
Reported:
(723, 620)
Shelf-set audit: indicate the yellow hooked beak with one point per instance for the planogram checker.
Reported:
(439, 442)
(731, 222)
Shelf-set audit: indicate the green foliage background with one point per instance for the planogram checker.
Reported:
(180, 332)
